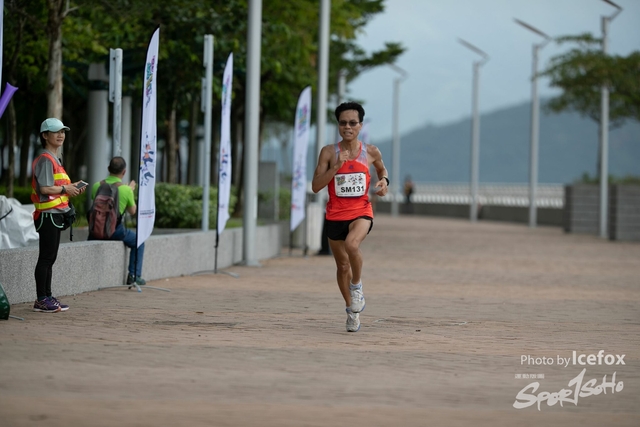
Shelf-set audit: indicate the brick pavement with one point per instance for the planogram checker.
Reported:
(451, 309)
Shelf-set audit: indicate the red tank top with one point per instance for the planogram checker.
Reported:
(349, 188)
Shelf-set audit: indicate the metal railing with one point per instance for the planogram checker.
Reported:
(492, 194)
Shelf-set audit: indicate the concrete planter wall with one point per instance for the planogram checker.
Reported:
(624, 212)
(84, 266)
(582, 209)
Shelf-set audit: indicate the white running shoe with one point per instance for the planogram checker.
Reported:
(353, 321)
(357, 298)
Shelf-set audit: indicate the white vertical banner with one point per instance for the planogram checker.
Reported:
(301, 131)
(148, 140)
(224, 159)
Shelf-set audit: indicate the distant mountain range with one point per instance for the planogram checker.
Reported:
(568, 148)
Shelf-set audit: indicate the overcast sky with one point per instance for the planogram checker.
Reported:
(438, 89)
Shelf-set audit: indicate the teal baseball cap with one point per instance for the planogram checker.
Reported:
(52, 125)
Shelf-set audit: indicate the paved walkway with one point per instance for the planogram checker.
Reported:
(452, 308)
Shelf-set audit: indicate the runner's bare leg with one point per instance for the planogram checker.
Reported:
(343, 274)
(358, 230)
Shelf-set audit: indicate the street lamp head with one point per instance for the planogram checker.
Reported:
(612, 4)
(475, 49)
(532, 28)
(619, 9)
(399, 70)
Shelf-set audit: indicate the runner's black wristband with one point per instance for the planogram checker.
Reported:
(386, 179)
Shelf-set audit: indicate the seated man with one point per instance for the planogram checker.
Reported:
(126, 202)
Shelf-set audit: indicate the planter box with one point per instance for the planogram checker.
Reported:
(581, 209)
(624, 212)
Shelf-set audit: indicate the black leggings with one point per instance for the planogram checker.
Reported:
(49, 226)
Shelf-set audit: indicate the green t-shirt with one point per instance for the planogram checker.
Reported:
(125, 193)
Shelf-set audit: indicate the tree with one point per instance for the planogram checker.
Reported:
(57, 10)
(582, 72)
(25, 57)
(49, 45)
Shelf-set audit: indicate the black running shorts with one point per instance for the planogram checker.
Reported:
(338, 230)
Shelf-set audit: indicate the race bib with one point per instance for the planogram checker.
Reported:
(351, 184)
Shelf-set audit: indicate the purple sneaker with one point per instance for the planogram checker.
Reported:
(63, 307)
(46, 306)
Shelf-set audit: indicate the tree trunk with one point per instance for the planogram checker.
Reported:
(194, 155)
(237, 129)
(12, 125)
(13, 135)
(172, 145)
(2, 145)
(25, 147)
(260, 132)
(54, 72)
(237, 153)
(216, 129)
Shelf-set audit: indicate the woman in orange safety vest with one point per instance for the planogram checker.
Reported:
(51, 189)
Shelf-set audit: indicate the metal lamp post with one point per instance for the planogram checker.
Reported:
(535, 124)
(115, 96)
(475, 134)
(323, 73)
(324, 24)
(604, 129)
(395, 144)
(207, 103)
(252, 129)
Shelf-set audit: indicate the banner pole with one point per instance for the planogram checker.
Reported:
(306, 226)
(215, 262)
(145, 201)
(215, 268)
(135, 268)
(224, 159)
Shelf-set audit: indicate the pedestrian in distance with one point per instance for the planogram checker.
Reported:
(344, 167)
(51, 191)
(112, 194)
(408, 192)
(408, 189)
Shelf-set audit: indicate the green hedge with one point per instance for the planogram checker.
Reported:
(620, 180)
(284, 201)
(22, 194)
(180, 206)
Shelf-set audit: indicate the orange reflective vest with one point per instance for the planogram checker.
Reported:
(54, 201)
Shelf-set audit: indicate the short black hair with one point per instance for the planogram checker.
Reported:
(345, 106)
(43, 142)
(117, 165)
